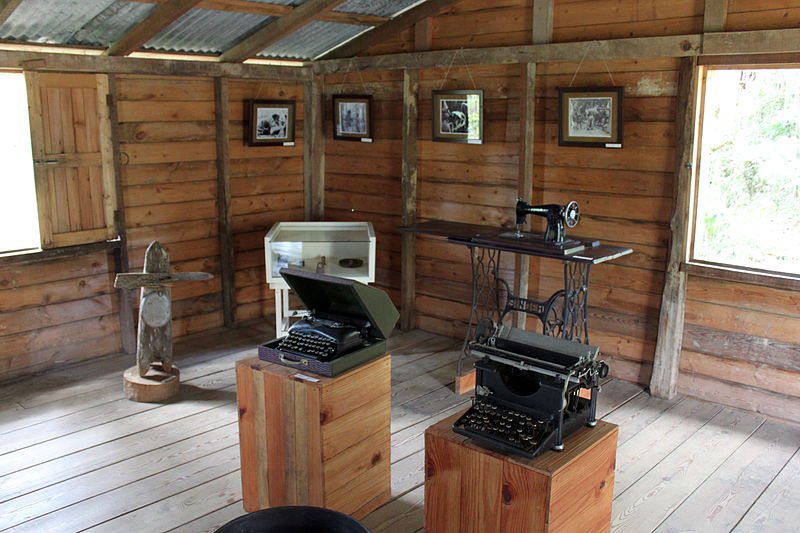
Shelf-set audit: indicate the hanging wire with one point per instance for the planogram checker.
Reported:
(591, 45)
(463, 60)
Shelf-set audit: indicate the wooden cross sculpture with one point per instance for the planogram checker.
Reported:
(154, 378)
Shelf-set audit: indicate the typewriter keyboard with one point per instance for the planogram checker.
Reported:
(304, 343)
(519, 431)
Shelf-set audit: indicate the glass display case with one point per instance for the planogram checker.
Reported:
(344, 249)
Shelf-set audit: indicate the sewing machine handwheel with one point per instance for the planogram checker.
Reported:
(553, 319)
(572, 214)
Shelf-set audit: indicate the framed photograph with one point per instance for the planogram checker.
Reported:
(270, 122)
(590, 116)
(352, 117)
(458, 116)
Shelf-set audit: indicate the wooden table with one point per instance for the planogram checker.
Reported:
(306, 439)
(472, 489)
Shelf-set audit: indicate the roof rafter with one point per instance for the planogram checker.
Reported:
(7, 7)
(159, 18)
(279, 10)
(389, 30)
(278, 29)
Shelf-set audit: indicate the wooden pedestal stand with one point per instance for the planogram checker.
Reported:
(472, 489)
(154, 378)
(306, 439)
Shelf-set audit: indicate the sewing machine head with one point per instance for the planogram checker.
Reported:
(558, 217)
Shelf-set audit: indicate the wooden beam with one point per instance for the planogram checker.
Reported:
(715, 15)
(527, 124)
(225, 233)
(157, 20)
(46, 62)
(542, 21)
(612, 49)
(664, 379)
(390, 29)
(408, 246)
(279, 10)
(752, 42)
(315, 189)
(7, 7)
(275, 31)
(423, 35)
(127, 325)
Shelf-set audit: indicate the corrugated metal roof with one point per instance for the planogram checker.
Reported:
(312, 40)
(80, 22)
(206, 31)
(380, 8)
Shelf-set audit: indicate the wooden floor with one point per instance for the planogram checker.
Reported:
(76, 455)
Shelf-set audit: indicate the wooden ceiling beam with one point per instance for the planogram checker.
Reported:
(279, 10)
(159, 18)
(391, 29)
(7, 7)
(57, 62)
(277, 30)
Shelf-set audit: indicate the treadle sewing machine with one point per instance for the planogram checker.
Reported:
(527, 390)
(531, 380)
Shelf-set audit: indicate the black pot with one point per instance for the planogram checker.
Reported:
(300, 519)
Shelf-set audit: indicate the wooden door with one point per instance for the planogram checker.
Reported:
(73, 158)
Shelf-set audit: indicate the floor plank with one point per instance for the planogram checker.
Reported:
(721, 501)
(777, 508)
(645, 504)
(74, 454)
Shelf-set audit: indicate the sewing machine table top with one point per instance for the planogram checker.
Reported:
(576, 248)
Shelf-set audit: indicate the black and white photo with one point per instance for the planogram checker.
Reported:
(271, 122)
(590, 117)
(352, 117)
(458, 116)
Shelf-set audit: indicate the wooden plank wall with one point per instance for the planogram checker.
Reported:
(65, 310)
(57, 311)
(362, 180)
(266, 187)
(740, 344)
(169, 176)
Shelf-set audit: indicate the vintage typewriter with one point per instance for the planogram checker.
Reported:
(528, 390)
(322, 338)
(346, 326)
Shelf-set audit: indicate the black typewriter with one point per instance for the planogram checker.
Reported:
(511, 429)
(527, 390)
(322, 339)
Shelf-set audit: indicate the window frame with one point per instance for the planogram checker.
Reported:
(713, 269)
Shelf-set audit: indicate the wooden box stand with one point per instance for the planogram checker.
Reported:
(473, 489)
(306, 439)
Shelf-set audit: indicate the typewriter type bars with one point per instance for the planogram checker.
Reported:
(528, 391)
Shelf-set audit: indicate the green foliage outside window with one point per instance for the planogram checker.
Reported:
(748, 199)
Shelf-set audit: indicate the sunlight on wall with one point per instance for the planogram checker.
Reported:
(19, 223)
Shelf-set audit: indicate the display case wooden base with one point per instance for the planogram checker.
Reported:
(472, 489)
(306, 439)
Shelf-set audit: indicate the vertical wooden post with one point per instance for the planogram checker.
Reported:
(225, 232)
(715, 15)
(542, 21)
(121, 259)
(664, 380)
(408, 274)
(527, 119)
(314, 149)
(423, 35)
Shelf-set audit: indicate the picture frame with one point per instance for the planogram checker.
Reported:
(590, 116)
(458, 116)
(270, 122)
(352, 117)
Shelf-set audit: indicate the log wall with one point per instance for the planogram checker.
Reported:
(57, 311)
(740, 344)
(65, 310)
